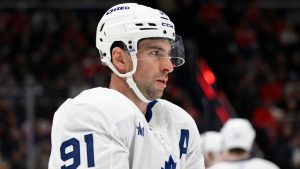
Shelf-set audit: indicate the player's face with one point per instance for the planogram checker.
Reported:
(153, 67)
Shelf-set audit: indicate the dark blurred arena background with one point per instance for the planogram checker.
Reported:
(242, 59)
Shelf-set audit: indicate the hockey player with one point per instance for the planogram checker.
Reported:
(238, 136)
(211, 147)
(128, 126)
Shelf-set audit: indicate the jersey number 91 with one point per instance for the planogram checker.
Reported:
(74, 145)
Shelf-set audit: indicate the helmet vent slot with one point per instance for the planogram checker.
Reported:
(164, 18)
(151, 24)
(148, 29)
(139, 24)
(102, 26)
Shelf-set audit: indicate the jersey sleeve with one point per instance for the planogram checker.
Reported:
(83, 137)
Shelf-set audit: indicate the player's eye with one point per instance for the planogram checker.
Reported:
(156, 53)
(159, 54)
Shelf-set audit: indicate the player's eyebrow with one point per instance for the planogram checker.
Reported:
(152, 47)
(155, 47)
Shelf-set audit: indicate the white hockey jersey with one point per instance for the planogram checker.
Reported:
(103, 129)
(251, 163)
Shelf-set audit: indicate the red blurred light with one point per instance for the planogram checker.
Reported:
(207, 89)
(209, 77)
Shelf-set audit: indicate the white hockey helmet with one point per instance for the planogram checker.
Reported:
(238, 133)
(129, 23)
(211, 143)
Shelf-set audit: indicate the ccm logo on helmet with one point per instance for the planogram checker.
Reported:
(117, 9)
(167, 25)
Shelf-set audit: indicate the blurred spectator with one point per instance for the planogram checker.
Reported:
(3, 164)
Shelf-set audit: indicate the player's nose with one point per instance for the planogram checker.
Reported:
(166, 65)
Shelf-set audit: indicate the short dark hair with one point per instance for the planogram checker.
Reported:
(237, 150)
(119, 44)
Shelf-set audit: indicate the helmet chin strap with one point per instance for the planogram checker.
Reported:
(132, 85)
(128, 76)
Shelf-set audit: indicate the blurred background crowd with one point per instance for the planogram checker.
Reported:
(243, 59)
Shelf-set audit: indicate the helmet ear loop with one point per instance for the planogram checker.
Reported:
(132, 52)
(131, 83)
(134, 62)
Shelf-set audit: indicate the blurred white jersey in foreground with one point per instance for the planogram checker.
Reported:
(251, 163)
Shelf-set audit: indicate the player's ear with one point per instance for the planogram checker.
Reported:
(120, 59)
